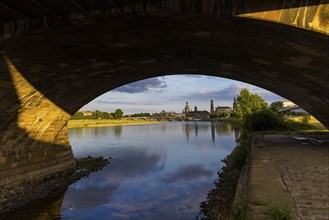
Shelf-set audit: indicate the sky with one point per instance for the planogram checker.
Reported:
(170, 93)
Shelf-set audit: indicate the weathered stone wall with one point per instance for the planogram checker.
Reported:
(308, 14)
(33, 141)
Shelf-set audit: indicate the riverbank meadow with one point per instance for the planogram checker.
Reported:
(106, 122)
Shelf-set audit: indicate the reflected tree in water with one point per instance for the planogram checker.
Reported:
(118, 131)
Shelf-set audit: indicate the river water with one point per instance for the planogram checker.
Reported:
(157, 171)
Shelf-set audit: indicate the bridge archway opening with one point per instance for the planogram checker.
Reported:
(157, 83)
(193, 88)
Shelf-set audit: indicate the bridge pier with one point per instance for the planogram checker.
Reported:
(34, 143)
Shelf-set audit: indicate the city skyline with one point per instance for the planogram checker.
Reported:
(170, 93)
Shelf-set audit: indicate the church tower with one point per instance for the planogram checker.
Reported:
(211, 106)
(234, 103)
(187, 108)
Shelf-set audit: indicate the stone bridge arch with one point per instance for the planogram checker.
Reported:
(48, 74)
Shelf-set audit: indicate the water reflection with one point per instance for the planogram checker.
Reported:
(118, 131)
(217, 128)
(224, 128)
(212, 132)
(187, 130)
(159, 171)
(190, 172)
(97, 190)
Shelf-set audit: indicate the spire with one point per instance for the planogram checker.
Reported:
(234, 102)
(211, 106)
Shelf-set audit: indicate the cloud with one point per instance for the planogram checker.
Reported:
(230, 91)
(123, 166)
(222, 94)
(101, 185)
(136, 163)
(267, 95)
(193, 76)
(194, 171)
(116, 102)
(152, 84)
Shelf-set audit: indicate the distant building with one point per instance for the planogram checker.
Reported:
(294, 110)
(87, 113)
(187, 108)
(194, 114)
(223, 109)
(287, 104)
(198, 114)
(291, 108)
(165, 115)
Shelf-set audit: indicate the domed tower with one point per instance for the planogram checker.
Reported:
(187, 108)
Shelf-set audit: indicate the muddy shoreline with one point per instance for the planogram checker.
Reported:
(220, 199)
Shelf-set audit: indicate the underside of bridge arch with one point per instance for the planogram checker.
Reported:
(48, 74)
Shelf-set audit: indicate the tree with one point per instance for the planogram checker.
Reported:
(118, 114)
(78, 115)
(107, 115)
(141, 115)
(248, 103)
(275, 106)
(98, 114)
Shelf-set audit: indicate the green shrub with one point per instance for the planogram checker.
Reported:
(238, 211)
(278, 212)
(305, 119)
(267, 120)
(264, 120)
(238, 156)
(291, 125)
(274, 210)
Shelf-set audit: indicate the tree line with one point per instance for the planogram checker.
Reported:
(118, 114)
(142, 114)
(254, 114)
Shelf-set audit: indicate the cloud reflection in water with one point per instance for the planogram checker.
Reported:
(165, 177)
(190, 172)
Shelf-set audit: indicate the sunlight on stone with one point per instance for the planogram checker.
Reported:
(36, 113)
(297, 17)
